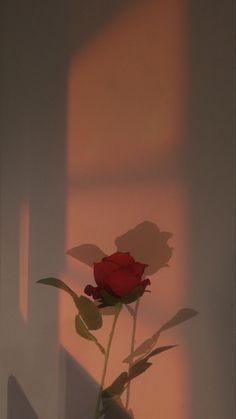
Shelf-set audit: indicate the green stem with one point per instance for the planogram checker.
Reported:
(132, 351)
(99, 399)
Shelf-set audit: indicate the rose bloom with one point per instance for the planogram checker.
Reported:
(118, 274)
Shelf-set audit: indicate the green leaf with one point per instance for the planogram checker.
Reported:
(139, 368)
(133, 295)
(117, 387)
(119, 384)
(114, 408)
(89, 313)
(54, 282)
(107, 310)
(109, 299)
(180, 317)
(83, 331)
(88, 310)
(159, 350)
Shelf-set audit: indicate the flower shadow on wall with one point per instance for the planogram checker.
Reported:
(146, 243)
(121, 282)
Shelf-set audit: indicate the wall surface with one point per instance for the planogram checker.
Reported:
(117, 118)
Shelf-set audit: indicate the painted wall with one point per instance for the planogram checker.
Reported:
(115, 114)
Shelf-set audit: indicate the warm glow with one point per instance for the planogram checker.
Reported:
(126, 92)
(126, 103)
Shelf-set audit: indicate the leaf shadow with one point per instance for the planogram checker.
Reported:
(145, 347)
(87, 253)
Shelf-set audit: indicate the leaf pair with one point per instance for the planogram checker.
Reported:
(119, 384)
(89, 317)
(117, 387)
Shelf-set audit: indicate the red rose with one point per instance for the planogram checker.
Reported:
(119, 275)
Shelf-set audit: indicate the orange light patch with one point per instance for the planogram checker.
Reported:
(127, 93)
(126, 102)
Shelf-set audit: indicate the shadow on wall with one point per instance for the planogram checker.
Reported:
(81, 393)
(33, 169)
(145, 242)
(17, 402)
(89, 16)
(211, 173)
(80, 390)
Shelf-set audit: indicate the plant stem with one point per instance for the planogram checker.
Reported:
(107, 353)
(132, 350)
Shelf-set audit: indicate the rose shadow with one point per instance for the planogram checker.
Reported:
(145, 242)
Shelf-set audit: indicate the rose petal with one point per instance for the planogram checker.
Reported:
(120, 258)
(145, 283)
(102, 269)
(121, 282)
(138, 268)
(92, 291)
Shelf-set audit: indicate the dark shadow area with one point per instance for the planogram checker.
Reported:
(37, 40)
(18, 406)
(89, 16)
(80, 390)
(211, 176)
(33, 152)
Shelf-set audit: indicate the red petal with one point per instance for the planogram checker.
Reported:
(92, 291)
(138, 268)
(145, 283)
(121, 282)
(120, 258)
(101, 270)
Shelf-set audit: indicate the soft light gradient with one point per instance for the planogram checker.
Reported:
(126, 101)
